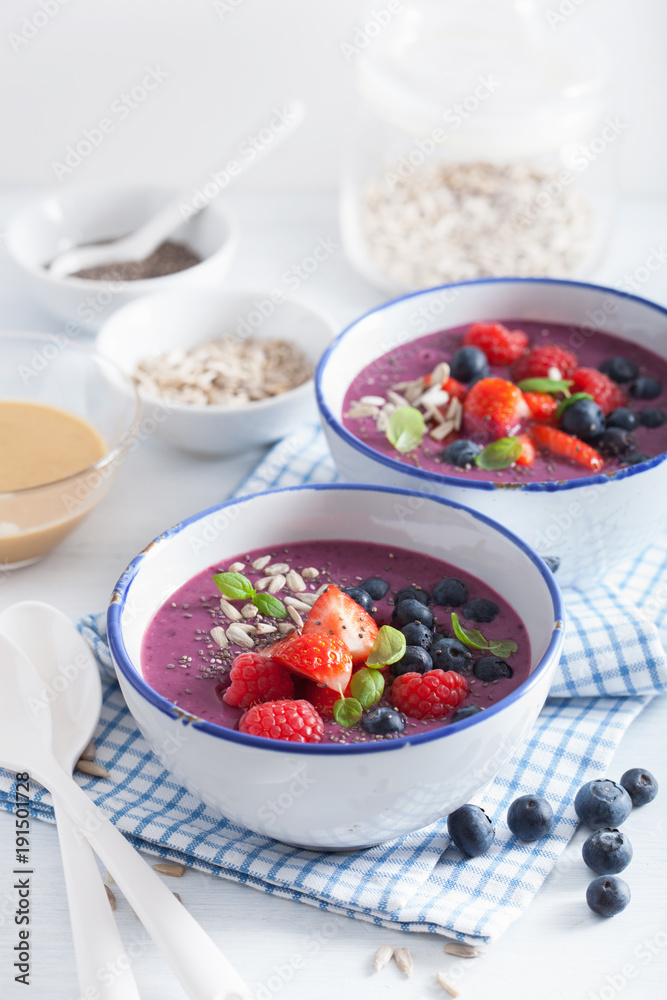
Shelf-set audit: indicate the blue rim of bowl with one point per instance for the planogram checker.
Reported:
(124, 665)
(459, 481)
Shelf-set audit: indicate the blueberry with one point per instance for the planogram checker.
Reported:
(450, 593)
(375, 586)
(382, 721)
(602, 803)
(469, 363)
(530, 817)
(491, 668)
(450, 654)
(619, 369)
(415, 659)
(471, 830)
(414, 593)
(652, 418)
(553, 562)
(584, 419)
(645, 387)
(608, 895)
(361, 597)
(417, 634)
(466, 712)
(614, 442)
(412, 611)
(461, 453)
(640, 785)
(607, 851)
(623, 417)
(635, 457)
(480, 610)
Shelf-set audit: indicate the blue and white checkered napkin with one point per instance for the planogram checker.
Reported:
(613, 663)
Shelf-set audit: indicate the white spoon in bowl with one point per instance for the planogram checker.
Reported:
(71, 680)
(144, 240)
(25, 745)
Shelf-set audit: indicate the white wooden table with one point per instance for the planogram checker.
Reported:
(558, 950)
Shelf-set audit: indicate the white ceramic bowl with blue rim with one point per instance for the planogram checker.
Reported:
(332, 797)
(587, 525)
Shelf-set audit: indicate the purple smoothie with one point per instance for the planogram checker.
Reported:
(182, 663)
(419, 357)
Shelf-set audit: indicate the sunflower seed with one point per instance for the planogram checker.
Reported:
(261, 562)
(236, 567)
(110, 879)
(382, 957)
(447, 984)
(94, 770)
(110, 897)
(177, 897)
(440, 432)
(403, 960)
(263, 582)
(320, 590)
(239, 637)
(249, 611)
(395, 397)
(277, 568)
(285, 628)
(440, 373)
(358, 411)
(246, 627)
(89, 752)
(310, 573)
(307, 599)
(463, 950)
(372, 400)
(219, 637)
(264, 628)
(170, 868)
(294, 602)
(295, 582)
(229, 611)
(277, 583)
(295, 616)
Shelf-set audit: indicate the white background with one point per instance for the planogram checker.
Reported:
(227, 69)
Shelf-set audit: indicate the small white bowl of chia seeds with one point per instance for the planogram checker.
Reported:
(199, 253)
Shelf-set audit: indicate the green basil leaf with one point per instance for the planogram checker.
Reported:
(234, 586)
(469, 636)
(347, 712)
(406, 428)
(544, 385)
(564, 403)
(502, 647)
(499, 454)
(367, 686)
(389, 647)
(269, 605)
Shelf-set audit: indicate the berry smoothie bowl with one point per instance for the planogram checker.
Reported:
(335, 666)
(540, 403)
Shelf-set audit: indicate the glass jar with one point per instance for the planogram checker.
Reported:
(483, 147)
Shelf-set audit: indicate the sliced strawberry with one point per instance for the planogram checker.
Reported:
(501, 346)
(542, 406)
(528, 453)
(569, 447)
(607, 394)
(493, 408)
(546, 361)
(319, 657)
(323, 698)
(335, 613)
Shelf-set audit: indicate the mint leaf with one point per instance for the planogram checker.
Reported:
(544, 385)
(347, 712)
(389, 647)
(406, 428)
(469, 636)
(269, 605)
(499, 454)
(564, 403)
(502, 647)
(367, 686)
(234, 586)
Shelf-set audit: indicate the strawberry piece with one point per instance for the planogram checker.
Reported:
(528, 453)
(318, 656)
(607, 394)
(493, 408)
(323, 698)
(337, 614)
(566, 446)
(429, 695)
(546, 361)
(296, 721)
(455, 388)
(542, 406)
(256, 679)
(501, 346)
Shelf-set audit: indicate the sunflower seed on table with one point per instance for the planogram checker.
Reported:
(295, 602)
(111, 897)
(462, 950)
(403, 960)
(295, 581)
(310, 573)
(89, 752)
(249, 611)
(219, 637)
(295, 616)
(239, 637)
(382, 957)
(277, 568)
(277, 583)
(236, 567)
(260, 563)
(447, 984)
(91, 768)
(265, 629)
(229, 611)
(170, 868)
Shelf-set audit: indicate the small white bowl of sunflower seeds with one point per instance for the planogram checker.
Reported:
(220, 372)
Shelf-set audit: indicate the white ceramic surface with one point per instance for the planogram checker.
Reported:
(326, 796)
(182, 319)
(66, 218)
(588, 524)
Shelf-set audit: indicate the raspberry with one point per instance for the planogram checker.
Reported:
(542, 406)
(296, 721)
(256, 679)
(607, 394)
(539, 362)
(429, 695)
(501, 346)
